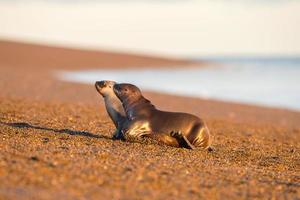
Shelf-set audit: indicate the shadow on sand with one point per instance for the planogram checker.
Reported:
(21, 125)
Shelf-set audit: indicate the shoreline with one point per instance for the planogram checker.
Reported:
(139, 77)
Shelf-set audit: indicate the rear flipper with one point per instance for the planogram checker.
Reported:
(182, 140)
(200, 137)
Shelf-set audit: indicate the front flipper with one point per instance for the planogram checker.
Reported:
(182, 140)
(174, 139)
(135, 129)
(118, 135)
(163, 139)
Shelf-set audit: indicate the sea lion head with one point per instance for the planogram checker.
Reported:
(127, 93)
(105, 88)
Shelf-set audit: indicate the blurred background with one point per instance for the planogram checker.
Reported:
(192, 28)
(254, 45)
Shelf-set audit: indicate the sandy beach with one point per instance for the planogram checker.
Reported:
(55, 138)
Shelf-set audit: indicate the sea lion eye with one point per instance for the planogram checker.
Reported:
(126, 90)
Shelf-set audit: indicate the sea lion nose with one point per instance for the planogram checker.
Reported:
(99, 85)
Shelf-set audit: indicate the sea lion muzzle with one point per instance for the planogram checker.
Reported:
(117, 89)
(99, 85)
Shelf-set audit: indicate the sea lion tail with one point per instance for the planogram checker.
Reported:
(203, 138)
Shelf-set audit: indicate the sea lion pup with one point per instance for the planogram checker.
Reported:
(145, 119)
(117, 114)
(113, 106)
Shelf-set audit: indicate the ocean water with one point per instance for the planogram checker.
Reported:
(273, 82)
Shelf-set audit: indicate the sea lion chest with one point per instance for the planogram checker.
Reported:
(115, 110)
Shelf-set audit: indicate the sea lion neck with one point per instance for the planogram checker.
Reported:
(137, 108)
